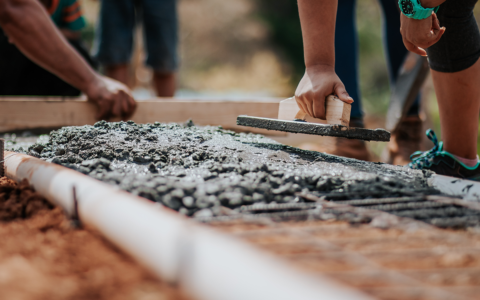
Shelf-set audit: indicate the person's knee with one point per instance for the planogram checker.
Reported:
(116, 67)
(163, 74)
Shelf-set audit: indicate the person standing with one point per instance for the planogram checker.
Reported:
(115, 35)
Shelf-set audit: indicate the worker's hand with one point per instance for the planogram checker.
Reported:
(113, 98)
(418, 35)
(319, 82)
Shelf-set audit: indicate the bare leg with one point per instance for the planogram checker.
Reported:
(458, 97)
(165, 84)
(118, 72)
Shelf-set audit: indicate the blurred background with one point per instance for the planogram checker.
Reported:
(241, 48)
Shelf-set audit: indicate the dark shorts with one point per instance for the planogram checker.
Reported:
(459, 47)
(19, 76)
(116, 27)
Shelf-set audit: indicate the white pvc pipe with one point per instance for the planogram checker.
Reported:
(467, 189)
(208, 264)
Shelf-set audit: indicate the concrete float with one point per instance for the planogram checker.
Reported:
(205, 263)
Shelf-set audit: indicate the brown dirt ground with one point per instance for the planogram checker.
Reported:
(42, 256)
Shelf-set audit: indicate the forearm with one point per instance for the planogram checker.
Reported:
(432, 3)
(317, 18)
(29, 27)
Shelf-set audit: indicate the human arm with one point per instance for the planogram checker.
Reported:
(28, 26)
(317, 18)
(418, 35)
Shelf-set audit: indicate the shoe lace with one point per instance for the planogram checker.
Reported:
(424, 159)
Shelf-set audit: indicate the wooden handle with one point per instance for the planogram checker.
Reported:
(338, 112)
(301, 115)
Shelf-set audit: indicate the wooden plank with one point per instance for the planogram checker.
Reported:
(28, 113)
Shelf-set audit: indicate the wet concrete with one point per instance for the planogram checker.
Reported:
(23, 140)
(380, 135)
(201, 170)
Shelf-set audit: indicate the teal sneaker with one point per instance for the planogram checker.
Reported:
(442, 162)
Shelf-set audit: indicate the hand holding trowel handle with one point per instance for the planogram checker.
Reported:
(337, 113)
(314, 96)
(318, 83)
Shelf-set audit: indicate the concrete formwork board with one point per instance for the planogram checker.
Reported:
(55, 112)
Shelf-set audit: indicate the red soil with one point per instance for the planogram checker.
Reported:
(42, 256)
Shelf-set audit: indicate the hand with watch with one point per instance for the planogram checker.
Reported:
(420, 27)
